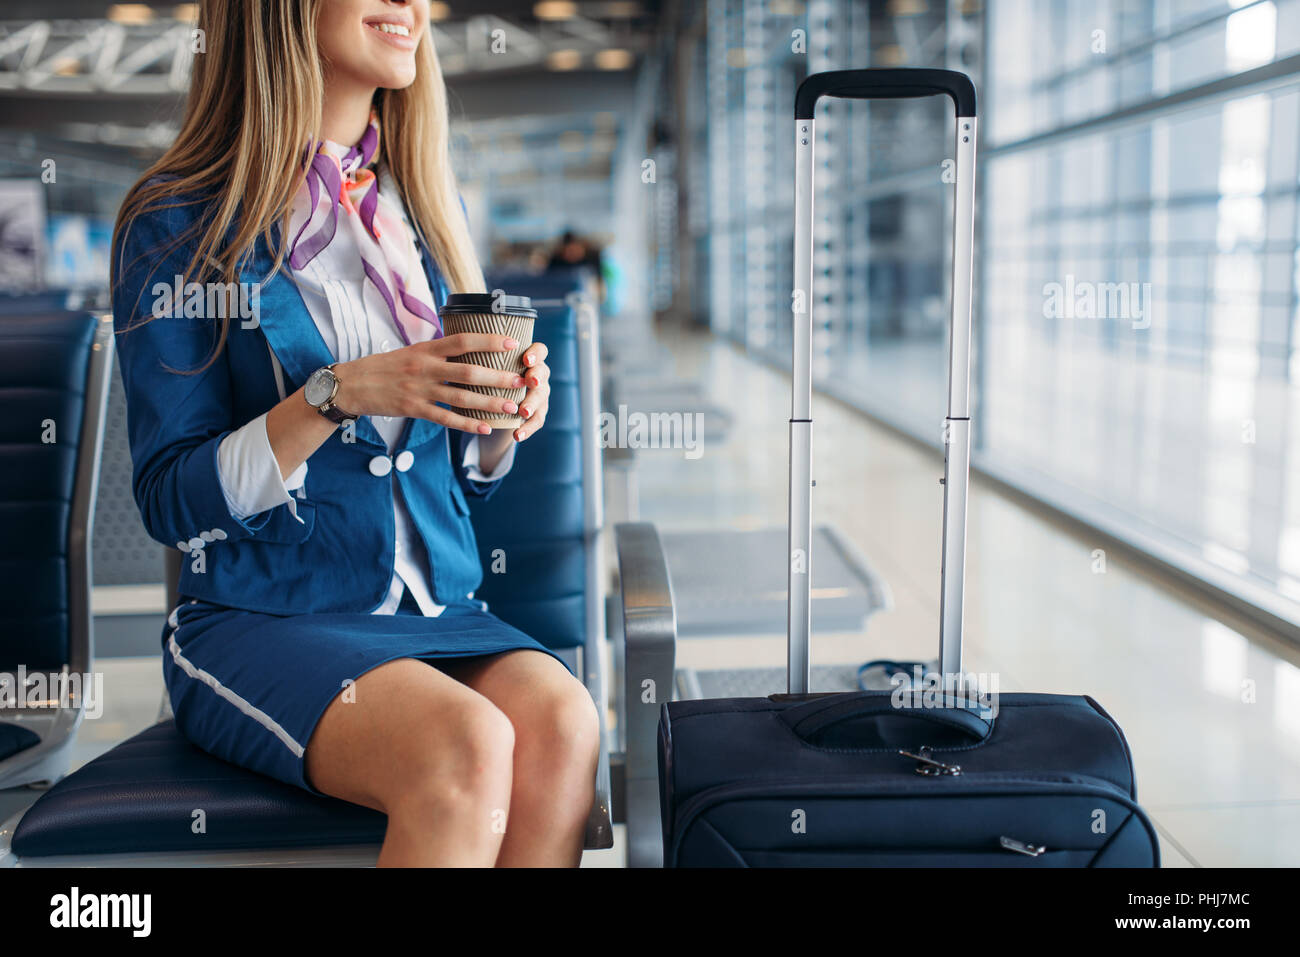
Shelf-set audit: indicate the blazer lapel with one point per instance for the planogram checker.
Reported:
(420, 431)
(288, 326)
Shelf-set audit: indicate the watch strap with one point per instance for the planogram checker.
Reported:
(334, 413)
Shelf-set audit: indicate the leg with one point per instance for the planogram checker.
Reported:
(557, 741)
(432, 754)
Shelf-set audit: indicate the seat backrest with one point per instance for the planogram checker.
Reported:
(550, 286)
(538, 533)
(53, 389)
(36, 303)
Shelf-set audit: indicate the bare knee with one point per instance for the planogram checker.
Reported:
(483, 742)
(561, 730)
(465, 764)
(579, 723)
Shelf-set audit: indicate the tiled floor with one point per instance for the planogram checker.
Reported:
(1211, 707)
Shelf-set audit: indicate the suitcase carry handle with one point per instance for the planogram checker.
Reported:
(813, 720)
(884, 85)
(871, 84)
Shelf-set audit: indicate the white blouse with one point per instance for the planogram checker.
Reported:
(354, 321)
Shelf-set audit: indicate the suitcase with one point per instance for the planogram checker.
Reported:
(933, 772)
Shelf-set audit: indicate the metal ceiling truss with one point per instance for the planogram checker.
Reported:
(153, 59)
(486, 43)
(90, 56)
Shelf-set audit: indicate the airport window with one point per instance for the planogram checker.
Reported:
(1136, 290)
(1139, 287)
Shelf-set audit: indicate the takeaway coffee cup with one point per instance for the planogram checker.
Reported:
(499, 315)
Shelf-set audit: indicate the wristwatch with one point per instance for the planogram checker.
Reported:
(321, 388)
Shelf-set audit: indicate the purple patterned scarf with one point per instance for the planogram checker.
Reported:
(350, 184)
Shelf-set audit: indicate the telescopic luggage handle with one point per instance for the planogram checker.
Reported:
(882, 84)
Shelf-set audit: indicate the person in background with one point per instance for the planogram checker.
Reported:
(574, 250)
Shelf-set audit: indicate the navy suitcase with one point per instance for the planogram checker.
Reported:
(824, 781)
(934, 773)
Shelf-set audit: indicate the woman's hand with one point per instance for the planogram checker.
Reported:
(411, 381)
(537, 400)
(537, 376)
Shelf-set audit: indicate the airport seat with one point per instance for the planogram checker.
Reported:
(140, 799)
(45, 302)
(574, 285)
(137, 804)
(54, 374)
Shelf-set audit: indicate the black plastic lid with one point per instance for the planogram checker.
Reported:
(485, 303)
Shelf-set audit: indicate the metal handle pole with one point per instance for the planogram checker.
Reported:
(799, 556)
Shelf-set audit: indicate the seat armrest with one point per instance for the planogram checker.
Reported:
(600, 820)
(649, 634)
(599, 834)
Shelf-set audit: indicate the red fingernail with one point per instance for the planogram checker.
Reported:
(528, 413)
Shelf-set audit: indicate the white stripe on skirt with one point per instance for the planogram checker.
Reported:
(257, 714)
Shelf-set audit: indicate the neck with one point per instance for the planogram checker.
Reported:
(345, 112)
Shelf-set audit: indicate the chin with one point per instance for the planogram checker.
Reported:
(397, 79)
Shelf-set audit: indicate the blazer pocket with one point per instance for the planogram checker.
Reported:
(283, 528)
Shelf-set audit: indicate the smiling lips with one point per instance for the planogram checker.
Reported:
(394, 33)
(396, 29)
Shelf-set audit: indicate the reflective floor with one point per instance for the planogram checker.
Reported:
(1203, 699)
(1197, 462)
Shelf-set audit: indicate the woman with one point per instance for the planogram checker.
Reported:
(299, 448)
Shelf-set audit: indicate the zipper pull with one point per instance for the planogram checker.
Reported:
(1020, 847)
(928, 766)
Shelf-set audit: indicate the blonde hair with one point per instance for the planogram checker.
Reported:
(254, 109)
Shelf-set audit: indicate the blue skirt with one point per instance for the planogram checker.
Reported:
(250, 688)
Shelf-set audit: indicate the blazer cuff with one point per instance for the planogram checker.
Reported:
(250, 475)
(181, 501)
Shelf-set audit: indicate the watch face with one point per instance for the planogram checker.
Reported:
(319, 387)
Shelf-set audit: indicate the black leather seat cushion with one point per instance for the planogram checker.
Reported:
(141, 797)
(14, 739)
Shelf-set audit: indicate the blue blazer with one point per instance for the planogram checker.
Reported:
(339, 558)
